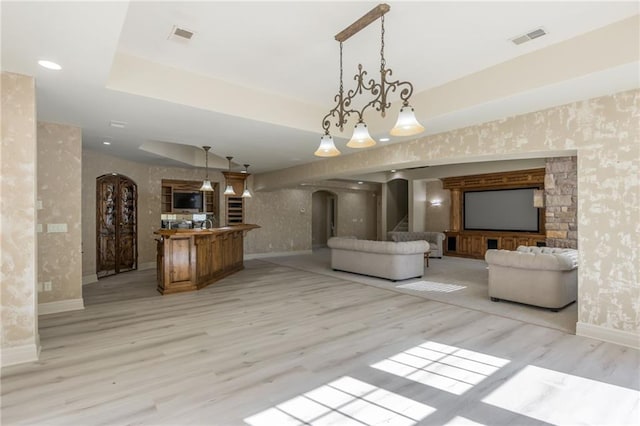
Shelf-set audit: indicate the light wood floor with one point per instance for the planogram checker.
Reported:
(272, 345)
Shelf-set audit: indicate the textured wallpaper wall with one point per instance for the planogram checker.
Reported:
(18, 211)
(59, 191)
(285, 217)
(603, 132)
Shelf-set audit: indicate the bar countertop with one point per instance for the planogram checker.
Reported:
(206, 231)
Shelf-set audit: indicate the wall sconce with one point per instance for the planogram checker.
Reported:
(538, 198)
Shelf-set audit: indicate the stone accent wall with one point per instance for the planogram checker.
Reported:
(561, 202)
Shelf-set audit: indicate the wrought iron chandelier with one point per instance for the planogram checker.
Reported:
(406, 125)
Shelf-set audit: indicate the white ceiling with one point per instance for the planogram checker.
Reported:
(281, 49)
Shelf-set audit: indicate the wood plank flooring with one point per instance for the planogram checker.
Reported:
(273, 345)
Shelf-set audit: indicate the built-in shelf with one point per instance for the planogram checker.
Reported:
(170, 187)
(234, 204)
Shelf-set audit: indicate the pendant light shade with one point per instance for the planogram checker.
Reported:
(229, 190)
(407, 125)
(361, 137)
(327, 148)
(206, 184)
(246, 193)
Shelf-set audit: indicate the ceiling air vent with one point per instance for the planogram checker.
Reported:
(180, 33)
(528, 36)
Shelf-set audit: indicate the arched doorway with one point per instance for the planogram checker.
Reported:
(116, 224)
(324, 205)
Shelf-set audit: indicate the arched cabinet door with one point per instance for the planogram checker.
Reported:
(116, 224)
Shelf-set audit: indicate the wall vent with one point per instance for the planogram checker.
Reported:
(539, 32)
(180, 33)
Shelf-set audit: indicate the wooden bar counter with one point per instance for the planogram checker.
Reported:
(190, 259)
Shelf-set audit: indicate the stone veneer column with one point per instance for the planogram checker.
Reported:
(561, 202)
(18, 244)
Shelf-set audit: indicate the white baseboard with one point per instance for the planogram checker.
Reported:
(146, 265)
(88, 279)
(619, 337)
(60, 306)
(20, 354)
(276, 254)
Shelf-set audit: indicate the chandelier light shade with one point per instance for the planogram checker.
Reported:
(206, 184)
(327, 148)
(229, 189)
(407, 125)
(361, 137)
(378, 91)
(246, 193)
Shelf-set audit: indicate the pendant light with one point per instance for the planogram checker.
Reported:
(407, 124)
(327, 148)
(229, 189)
(246, 193)
(206, 184)
(361, 137)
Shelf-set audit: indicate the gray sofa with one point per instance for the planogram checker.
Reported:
(435, 240)
(539, 276)
(384, 259)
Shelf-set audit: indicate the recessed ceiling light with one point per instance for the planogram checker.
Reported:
(118, 124)
(106, 143)
(393, 170)
(49, 65)
(360, 182)
(385, 139)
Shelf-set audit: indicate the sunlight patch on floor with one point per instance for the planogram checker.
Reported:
(561, 398)
(432, 286)
(462, 421)
(345, 401)
(443, 367)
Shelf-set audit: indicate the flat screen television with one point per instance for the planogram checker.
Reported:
(501, 210)
(187, 201)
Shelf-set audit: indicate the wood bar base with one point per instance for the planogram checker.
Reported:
(190, 259)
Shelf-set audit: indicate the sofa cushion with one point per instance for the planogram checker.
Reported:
(535, 258)
(383, 247)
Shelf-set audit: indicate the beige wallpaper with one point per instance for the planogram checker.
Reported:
(285, 217)
(18, 212)
(149, 181)
(59, 192)
(604, 133)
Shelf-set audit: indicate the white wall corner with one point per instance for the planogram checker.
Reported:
(620, 337)
(146, 265)
(276, 254)
(20, 354)
(88, 279)
(60, 306)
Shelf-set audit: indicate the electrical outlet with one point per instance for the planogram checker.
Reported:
(39, 204)
(47, 286)
(57, 227)
(39, 227)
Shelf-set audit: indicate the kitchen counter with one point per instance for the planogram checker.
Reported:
(190, 259)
